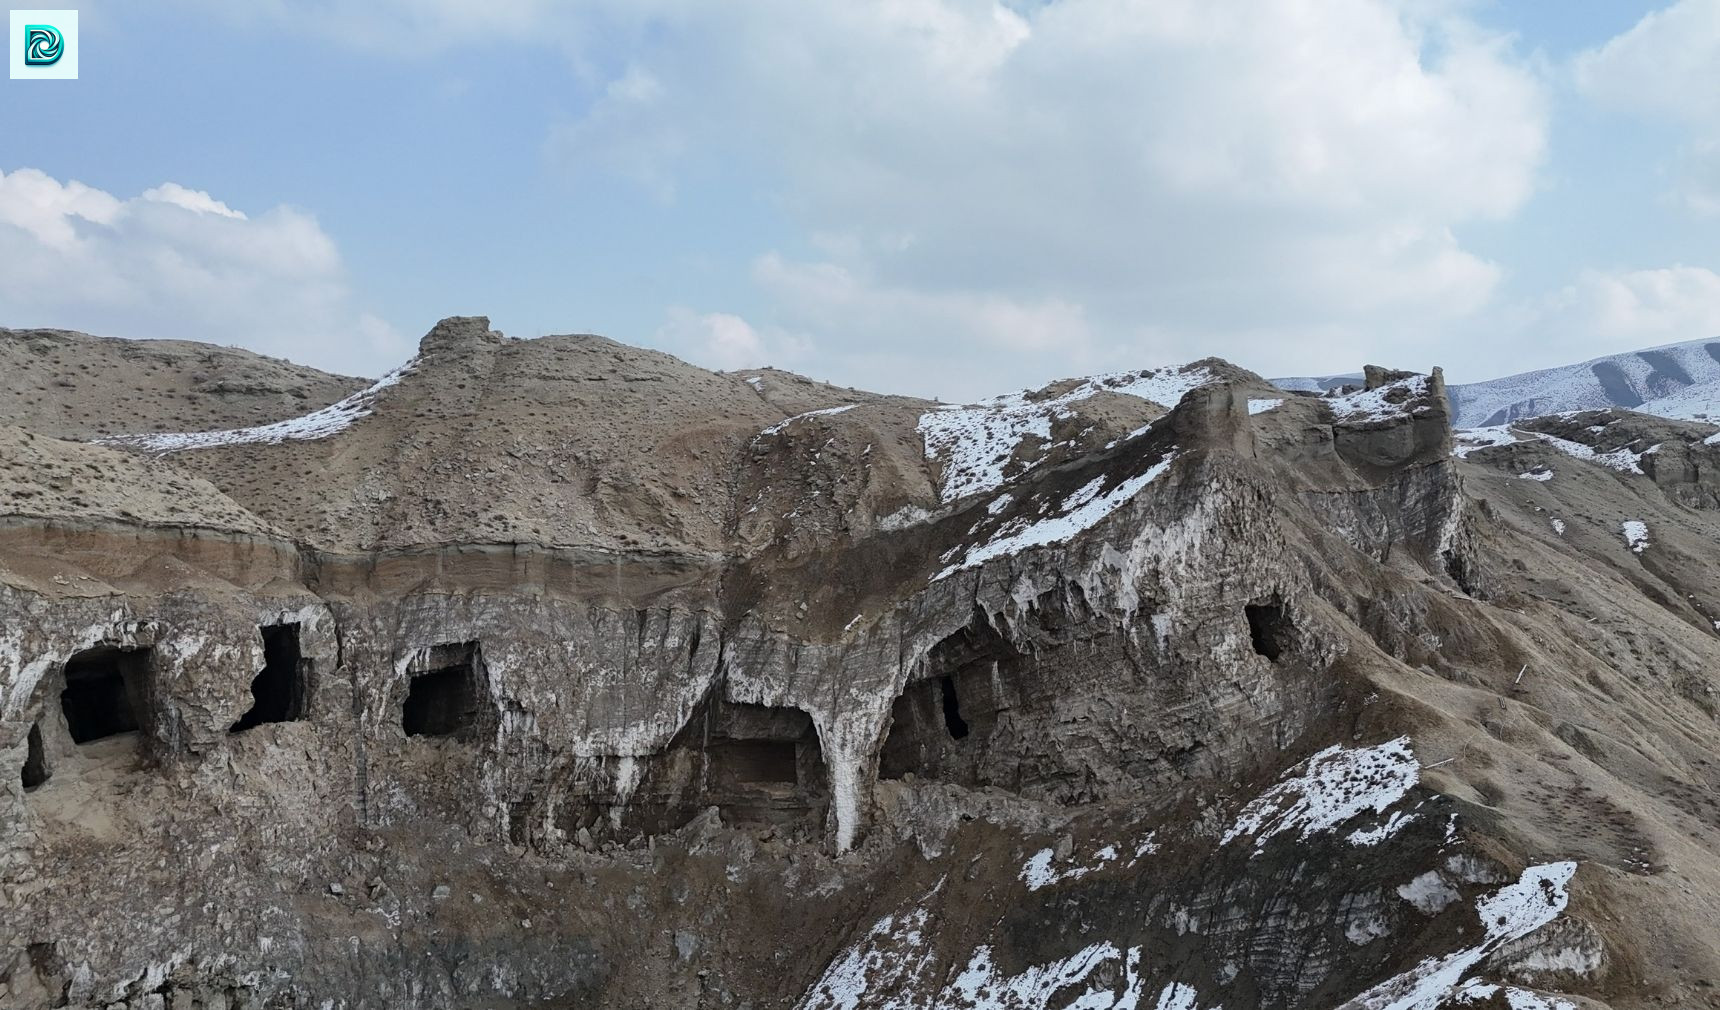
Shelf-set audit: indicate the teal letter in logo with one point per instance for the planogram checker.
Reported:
(43, 45)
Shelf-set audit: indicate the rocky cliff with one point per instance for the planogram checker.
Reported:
(563, 673)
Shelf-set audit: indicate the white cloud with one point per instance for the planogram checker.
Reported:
(190, 199)
(1608, 311)
(1001, 193)
(1665, 66)
(714, 339)
(1125, 183)
(176, 262)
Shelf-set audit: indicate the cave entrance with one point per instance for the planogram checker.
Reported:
(941, 721)
(278, 692)
(762, 749)
(1268, 628)
(35, 759)
(106, 693)
(757, 762)
(443, 699)
(953, 721)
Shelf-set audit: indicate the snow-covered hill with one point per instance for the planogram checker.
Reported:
(1675, 380)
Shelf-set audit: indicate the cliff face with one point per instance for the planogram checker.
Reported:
(558, 672)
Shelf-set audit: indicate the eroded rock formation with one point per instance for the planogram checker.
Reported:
(562, 673)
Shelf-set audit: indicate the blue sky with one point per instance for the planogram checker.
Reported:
(941, 197)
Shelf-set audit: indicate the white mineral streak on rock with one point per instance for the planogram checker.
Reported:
(1513, 911)
(330, 420)
(24, 675)
(1334, 785)
(975, 442)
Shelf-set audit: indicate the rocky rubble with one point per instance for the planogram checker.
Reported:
(562, 673)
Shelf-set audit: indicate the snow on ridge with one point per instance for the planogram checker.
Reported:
(1467, 440)
(1635, 534)
(1514, 911)
(1262, 406)
(330, 420)
(1334, 785)
(1373, 404)
(1081, 511)
(976, 441)
(785, 422)
(1041, 869)
(1579, 387)
(890, 969)
(1475, 990)
(891, 957)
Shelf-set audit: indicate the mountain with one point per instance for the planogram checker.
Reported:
(1676, 380)
(563, 673)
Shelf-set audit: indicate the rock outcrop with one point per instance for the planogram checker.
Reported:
(558, 672)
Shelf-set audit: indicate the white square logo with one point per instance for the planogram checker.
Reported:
(44, 46)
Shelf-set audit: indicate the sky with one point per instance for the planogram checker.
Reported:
(947, 198)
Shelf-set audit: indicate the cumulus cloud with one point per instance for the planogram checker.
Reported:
(1607, 311)
(1001, 190)
(1664, 67)
(175, 262)
(714, 339)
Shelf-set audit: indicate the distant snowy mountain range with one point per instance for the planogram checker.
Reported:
(1676, 380)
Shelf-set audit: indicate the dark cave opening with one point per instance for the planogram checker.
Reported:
(953, 721)
(443, 700)
(35, 760)
(106, 692)
(279, 690)
(756, 762)
(1268, 626)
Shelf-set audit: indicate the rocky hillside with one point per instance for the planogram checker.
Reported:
(560, 673)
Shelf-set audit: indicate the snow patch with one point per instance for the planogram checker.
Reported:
(1470, 440)
(1512, 912)
(975, 442)
(1635, 534)
(1474, 991)
(1430, 893)
(1394, 399)
(330, 420)
(1262, 406)
(1335, 785)
(1081, 511)
(1543, 475)
(785, 422)
(982, 986)
(1559, 526)
(1380, 832)
(1040, 872)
